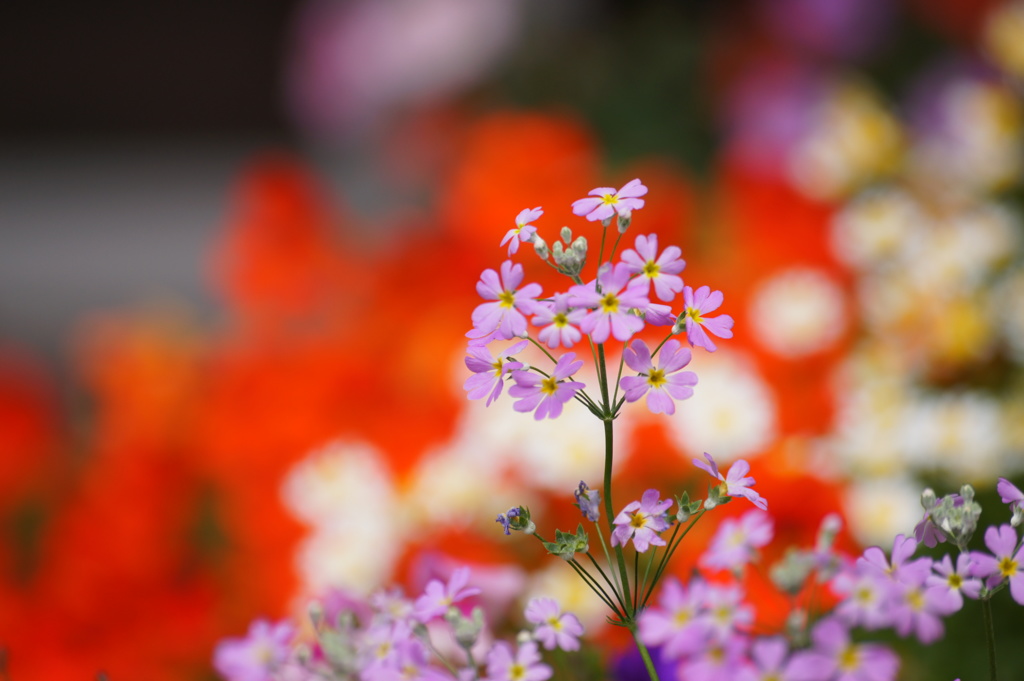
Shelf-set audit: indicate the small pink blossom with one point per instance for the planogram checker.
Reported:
(555, 629)
(545, 395)
(660, 270)
(489, 372)
(697, 305)
(524, 665)
(661, 384)
(523, 231)
(560, 322)
(258, 656)
(438, 597)
(506, 314)
(611, 299)
(736, 482)
(642, 520)
(736, 541)
(1005, 562)
(604, 202)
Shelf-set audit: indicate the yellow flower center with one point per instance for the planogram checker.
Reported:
(1007, 566)
(955, 580)
(549, 385)
(656, 378)
(497, 364)
(507, 299)
(610, 199)
(915, 599)
(848, 659)
(694, 314)
(560, 320)
(609, 304)
(651, 269)
(638, 520)
(516, 672)
(681, 617)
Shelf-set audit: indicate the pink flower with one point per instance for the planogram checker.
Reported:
(525, 665)
(1006, 561)
(736, 482)
(523, 231)
(607, 202)
(489, 372)
(642, 520)
(835, 657)
(679, 623)
(557, 629)
(438, 597)
(257, 656)
(561, 321)
(736, 542)
(546, 394)
(699, 304)
(660, 270)
(658, 383)
(506, 313)
(611, 297)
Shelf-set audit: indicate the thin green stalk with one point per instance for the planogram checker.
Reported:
(990, 636)
(669, 552)
(609, 582)
(636, 580)
(648, 662)
(589, 580)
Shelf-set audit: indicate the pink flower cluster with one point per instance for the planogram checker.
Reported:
(615, 304)
(387, 637)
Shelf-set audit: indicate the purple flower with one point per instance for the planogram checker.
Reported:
(658, 383)
(957, 581)
(561, 321)
(717, 661)
(438, 597)
(679, 623)
(736, 481)
(524, 665)
(662, 271)
(867, 595)
(511, 303)
(736, 542)
(726, 611)
(901, 569)
(919, 610)
(589, 502)
(489, 372)
(556, 629)
(697, 305)
(546, 394)
(642, 520)
(1009, 493)
(257, 656)
(611, 298)
(607, 202)
(1005, 562)
(523, 231)
(835, 658)
(769, 657)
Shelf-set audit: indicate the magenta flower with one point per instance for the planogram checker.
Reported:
(556, 629)
(438, 597)
(834, 657)
(658, 383)
(604, 202)
(697, 304)
(523, 231)
(957, 580)
(611, 299)
(546, 394)
(1005, 562)
(642, 520)
(769, 658)
(489, 372)
(560, 320)
(258, 656)
(736, 482)
(1009, 493)
(679, 623)
(867, 595)
(736, 541)
(661, 271)
(511, 303)
(524, 665)
(901, 569)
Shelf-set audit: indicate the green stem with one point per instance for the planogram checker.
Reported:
(648, 662)
(990, 636)
(609, 449)
(610, 583)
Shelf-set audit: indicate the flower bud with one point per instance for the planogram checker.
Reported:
(625, 217)
(566, 234)
(541, 247)
(466, 629)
